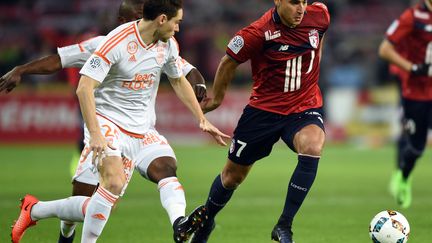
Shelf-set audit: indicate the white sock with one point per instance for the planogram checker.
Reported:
(172, 197)
(67, 228)
(69, 209)
(97, 214)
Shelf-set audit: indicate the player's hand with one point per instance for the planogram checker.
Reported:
(98, 145)
(206, 126)
(200, 91)
(421, 69)
(208, 104)
(10, 80)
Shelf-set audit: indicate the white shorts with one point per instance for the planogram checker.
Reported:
(136, 152)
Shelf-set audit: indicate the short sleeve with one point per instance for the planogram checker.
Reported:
(185, 66)
(401, 27)
(325, 10)
(106, 54)
(244, 44)
(76, 55)
(173, 67)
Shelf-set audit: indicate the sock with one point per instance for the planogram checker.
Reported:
(218, 197)
(172, 197)
(70, 209)
(409, 156)
(97, 214)
(401, 144)
(299, 185)
(67, 228)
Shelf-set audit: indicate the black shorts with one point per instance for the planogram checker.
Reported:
(258, 130)
(416, 120)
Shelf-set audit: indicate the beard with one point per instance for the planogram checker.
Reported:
(158, 36)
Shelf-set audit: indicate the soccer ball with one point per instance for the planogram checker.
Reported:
(389, 227)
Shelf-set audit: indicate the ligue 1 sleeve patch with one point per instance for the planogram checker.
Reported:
(236, 44)
(95, 62)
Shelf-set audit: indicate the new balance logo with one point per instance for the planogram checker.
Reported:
(283, 47)
(99, 216)
(271, 36)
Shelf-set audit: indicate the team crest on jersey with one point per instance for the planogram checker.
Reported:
(314, 38)
(132, 47)
(236, 44)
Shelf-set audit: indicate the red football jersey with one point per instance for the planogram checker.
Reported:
(285, 61)
(411, 35)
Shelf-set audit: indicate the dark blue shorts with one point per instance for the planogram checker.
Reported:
(258, 130)
(416, 120)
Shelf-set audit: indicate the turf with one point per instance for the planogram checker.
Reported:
(350, 189)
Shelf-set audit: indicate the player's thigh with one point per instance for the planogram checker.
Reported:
(155, 159)
(256, 133)
(415, 122)
(305, 128)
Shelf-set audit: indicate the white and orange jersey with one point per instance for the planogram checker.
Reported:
(77, 54)
(129, 72)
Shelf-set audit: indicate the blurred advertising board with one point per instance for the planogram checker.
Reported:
(51, 118)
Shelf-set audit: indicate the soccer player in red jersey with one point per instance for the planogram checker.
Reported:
(284, 47)
(408, 45)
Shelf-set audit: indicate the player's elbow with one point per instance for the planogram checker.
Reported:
(384, 49)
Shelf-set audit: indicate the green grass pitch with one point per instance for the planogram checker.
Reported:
(351, 187)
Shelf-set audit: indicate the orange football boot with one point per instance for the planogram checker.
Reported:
(24, 220)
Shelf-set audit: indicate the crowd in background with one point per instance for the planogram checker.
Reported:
(34, 28)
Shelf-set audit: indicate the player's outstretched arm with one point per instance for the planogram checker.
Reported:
(185, 93)
(389, 53)
(45, 65)
(197, 81)
(224, 75)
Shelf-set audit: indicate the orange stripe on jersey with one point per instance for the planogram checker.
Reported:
(102, 56)
(81, 47)
(134, 135)
(138, 36)
(113, 41)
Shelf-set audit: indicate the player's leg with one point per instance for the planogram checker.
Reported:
(220, 193)
(304, 133)
(415, 129)
(112, 182)
(84, 183)
(113, 178)
(67, 227)
(32, 210)
(253, 139)
(157, 162)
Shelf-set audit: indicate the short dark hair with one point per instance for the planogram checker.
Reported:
(153, 8)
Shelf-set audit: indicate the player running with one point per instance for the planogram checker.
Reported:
(408, 45)
(284, 47)
(124, 50)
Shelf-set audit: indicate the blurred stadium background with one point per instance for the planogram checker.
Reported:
(39, 125)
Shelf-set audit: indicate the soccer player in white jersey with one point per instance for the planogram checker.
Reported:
(159, 167)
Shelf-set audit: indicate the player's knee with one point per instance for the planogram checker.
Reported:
(162, 168)
(114, 184)
(231, 179)
(311, 149)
